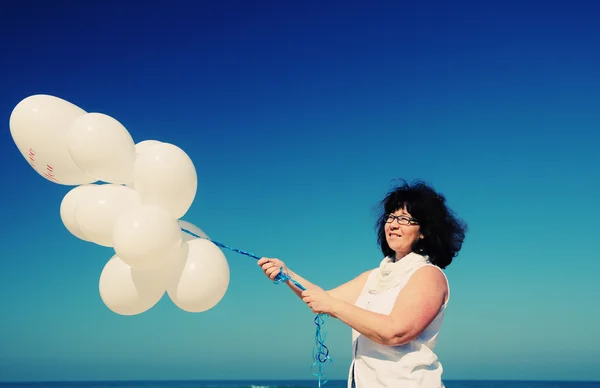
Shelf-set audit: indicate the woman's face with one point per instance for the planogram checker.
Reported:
(401, 232)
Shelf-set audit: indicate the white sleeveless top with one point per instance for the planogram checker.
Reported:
(413, 365)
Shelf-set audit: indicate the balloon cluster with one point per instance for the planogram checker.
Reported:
(129, 197)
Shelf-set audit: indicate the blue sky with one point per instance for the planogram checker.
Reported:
(298, 117)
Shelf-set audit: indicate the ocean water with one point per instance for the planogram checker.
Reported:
(290, 384)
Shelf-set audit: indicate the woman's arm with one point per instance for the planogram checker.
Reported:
(416, 306)
(347, 292)
(350, 291)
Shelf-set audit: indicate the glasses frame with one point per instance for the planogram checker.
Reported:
(401, 220)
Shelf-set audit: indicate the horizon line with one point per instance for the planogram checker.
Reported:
(267, 379)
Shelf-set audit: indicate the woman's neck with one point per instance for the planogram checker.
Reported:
(400, 255)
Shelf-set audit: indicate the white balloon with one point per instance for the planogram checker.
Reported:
(192, 228)
(102, 147)
(203, 277)
(68, 207)
(127, 291)
(165, 176)
(39, 125)
(140, 148)
(147, 237)
(144, 145)
(98, 209)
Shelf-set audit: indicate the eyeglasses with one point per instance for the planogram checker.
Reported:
(402, 220)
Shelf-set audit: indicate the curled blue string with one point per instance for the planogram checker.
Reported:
(320, 351)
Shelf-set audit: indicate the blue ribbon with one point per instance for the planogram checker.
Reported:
(320, 351)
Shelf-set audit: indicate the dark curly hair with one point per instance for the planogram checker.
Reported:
(443, 233)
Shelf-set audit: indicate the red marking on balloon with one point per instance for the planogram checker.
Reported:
(31, 157)
(49, 173)
(51, 177)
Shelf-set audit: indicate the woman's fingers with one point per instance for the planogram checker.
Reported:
(272, 272)
(271, 267)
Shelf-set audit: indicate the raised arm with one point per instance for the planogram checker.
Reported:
(415, 308)
(347, 292)
(350, 291)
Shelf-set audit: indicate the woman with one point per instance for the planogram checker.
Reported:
(395, 310)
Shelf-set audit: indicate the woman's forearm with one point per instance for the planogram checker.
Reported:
(377, 327)
(302, 281)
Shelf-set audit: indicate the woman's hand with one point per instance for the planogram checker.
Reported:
(272, 267)
(319, 301)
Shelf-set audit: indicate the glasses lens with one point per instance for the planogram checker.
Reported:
(401, 220)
